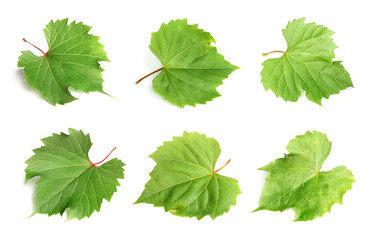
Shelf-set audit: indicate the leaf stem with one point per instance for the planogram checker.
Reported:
(95, 164)
(277, 51)
(149, 75)
(222, 167)
(24, 39)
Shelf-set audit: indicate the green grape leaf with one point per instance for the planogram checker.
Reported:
(307, 65)
(184, 181)
(296, 180)
(72, 60)
(69, 181)
(192, 68)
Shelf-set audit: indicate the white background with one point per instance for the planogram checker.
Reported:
(252, 126)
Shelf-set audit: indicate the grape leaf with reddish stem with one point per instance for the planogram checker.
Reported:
(185, 181)
(72, 60)
(68, 178)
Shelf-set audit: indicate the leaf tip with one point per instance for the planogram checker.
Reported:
(107, 94)
(257, 209)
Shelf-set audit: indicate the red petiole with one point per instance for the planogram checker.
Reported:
(35, 46)
(222, 167)
(95, 164)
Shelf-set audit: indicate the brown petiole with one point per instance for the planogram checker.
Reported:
(149, 75)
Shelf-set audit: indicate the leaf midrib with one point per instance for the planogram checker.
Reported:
(295, 188)
(63, 66)
(331, 64)
(63, 188)
(188, 48)
(189, 180)
(305, 41)
(46, 57)
(199, 194)
(75, 178)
